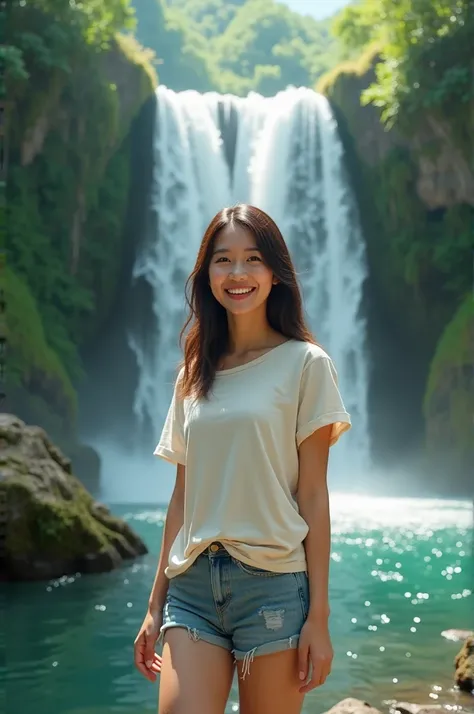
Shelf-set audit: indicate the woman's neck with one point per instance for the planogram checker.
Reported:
(250, 332)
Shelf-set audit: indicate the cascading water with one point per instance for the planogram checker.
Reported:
(298, 177)
(288, 160)
(190, 184)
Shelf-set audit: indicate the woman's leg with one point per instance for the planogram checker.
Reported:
(271, 684)
(195, 677)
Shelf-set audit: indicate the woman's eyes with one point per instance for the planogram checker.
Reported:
(253, 258)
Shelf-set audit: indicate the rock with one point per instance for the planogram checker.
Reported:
(86, 465)
(447, 405)
(353, 706)
(51, 523)
(457, 635)
(446, 177)
(464, 665)
(410, 708)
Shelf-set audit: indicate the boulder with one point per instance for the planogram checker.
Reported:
(353, 706)
(51, 524)
(464, 666)
(410, 708)
(457, 635)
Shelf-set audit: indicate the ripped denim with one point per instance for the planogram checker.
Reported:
(246, 610)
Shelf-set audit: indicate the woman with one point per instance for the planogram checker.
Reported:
(243, 573)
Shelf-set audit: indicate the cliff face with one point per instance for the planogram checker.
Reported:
(415, 193)
(68, 191)
(449, 398)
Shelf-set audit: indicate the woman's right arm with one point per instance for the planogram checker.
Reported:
(146, 659)
(173, 522)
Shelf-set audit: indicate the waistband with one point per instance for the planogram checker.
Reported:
(215, 549)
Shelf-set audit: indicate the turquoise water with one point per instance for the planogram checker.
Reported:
(401, 572)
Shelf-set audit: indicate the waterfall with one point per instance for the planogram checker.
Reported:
(190, 184)
(286, 158)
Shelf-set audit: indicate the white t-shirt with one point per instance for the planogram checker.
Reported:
(240, 449)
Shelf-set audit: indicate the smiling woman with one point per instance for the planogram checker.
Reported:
(237, 270)
(243, 268)
(243, 572)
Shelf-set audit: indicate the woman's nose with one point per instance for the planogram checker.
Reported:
(239, 271)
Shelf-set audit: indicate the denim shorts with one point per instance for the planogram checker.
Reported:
(244, 609)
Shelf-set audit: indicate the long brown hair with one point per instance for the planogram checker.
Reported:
(207, 339)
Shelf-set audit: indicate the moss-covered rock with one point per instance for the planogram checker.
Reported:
(449, 396)
(33, 362)
(53, 526)
(464, 666)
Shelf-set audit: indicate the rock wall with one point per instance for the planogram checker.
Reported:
(70, 193)
(449, 398)
(415, 194)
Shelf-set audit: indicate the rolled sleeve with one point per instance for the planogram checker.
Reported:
(172, 444)
(320, 401)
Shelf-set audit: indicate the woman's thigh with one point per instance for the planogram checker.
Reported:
(196, 676)
(272, 685)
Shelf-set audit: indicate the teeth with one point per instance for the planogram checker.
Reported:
(240, 291)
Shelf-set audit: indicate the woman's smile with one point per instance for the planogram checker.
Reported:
(239, 293)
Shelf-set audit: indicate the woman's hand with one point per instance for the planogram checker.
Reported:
(146, 659)
(314, 647)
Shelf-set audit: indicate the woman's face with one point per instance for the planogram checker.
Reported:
(238, 277)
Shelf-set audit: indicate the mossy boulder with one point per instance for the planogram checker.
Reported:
(464, 665)
(52, 524)
(450, 393)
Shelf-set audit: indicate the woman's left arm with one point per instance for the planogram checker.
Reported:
(313, 502)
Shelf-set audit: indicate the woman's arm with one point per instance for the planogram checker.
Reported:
(146, 659)
(174, 521)
(313, 503)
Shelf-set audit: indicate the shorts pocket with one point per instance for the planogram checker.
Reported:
(303, 590)
(252, 570)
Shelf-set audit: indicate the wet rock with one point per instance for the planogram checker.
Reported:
(457, 635)
(464, 666)
(410, 708)
(51, 524)
(353, 706)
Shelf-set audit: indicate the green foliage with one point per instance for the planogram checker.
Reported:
(68, 176)
(181, 51)
(448, 397)
(353, 69)
(272, 47)
(30, 355)
(426, 53)
(211, 17)
(454, 348)
(357, 25)
(432, 250)
(419, 50)
(237, 47)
